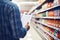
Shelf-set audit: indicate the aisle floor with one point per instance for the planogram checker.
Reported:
(32, 35)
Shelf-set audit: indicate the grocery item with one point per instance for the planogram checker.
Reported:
(57, 34)
(51, 13)
(51, 31)
(50, 38)
(59, 23)
(56, 23)
(49, 4)
(44, 14)
(57, 12)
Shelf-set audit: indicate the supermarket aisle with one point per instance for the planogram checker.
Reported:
(32, 35)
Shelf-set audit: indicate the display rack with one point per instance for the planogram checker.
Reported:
(36, 7)
(46, 25)
(49, 33)
(39, 26)
(39, 23)
(47, 17)
(41, 33)
(52, 8)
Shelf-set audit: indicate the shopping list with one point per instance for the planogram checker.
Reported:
(25, 19)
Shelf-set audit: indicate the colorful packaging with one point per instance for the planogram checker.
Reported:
(57, 12)
(51, 31)
(57, 23)
(51, 13)
(50, 38)
(49, 4)
(57, 34)
(44, 14)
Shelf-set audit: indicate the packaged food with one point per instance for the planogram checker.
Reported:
(51, 13)
(57, 12)
(57, 23)
(50, 38)
(44, 14)
(57, 34)
(49, 4)
(51, 31)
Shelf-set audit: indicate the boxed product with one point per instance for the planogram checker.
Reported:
(50, 22)
(51, 13)
(51, 31)
(57, 23)
(50, 38)
(46, 28)
(57, 12)
(49, 4)
(44, 14)
(57, 34)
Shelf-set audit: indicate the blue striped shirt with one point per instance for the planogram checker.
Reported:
(10, 21)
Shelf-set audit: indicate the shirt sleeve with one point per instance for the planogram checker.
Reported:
(18, 30)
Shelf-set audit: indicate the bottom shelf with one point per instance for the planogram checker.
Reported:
(55, 38)
(40, 28)
(40, 32)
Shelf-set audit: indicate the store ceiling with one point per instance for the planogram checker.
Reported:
(26, 4)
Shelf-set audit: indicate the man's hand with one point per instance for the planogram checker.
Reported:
(27, 26)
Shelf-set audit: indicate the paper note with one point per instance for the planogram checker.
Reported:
(25, 19)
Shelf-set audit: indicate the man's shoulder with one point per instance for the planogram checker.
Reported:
(12, 4)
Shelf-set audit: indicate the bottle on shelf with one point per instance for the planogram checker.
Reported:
(57, 34)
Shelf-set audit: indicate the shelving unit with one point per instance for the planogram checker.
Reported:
(36, 7)
(46, 25)
(41, 33)
(54, 17)
(49, 33)
(40, 28)
(47, 17)
(40, 11)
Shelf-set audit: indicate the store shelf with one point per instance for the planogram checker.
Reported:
(47, 9)
(49, 33)
(41, 33)
(47, 25)
(36, 7)
(50, 17)
(39, 26)
(47, 17)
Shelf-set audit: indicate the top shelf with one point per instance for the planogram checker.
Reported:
(40, 11)
(36, 7)
(40, 6)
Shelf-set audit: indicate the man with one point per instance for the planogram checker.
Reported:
(10, 22)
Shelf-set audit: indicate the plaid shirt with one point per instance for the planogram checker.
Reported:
(10, 22)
